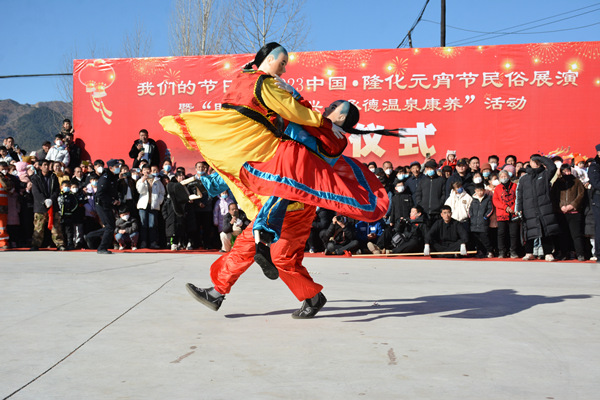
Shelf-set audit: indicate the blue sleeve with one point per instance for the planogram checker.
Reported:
(214, 184)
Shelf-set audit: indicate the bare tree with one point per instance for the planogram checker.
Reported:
(137, 43)
(257, 22)
(197, 27)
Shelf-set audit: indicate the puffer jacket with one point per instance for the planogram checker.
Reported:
(534, 201)
(480, 212)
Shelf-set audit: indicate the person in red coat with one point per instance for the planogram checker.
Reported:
(504, 202)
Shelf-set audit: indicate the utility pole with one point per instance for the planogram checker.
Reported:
(443, 24)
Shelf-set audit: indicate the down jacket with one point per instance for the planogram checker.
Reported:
(534, 201)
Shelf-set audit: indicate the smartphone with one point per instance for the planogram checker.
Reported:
(427, 155)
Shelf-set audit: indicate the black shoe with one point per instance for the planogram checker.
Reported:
(308, 310)
(104, 252)
(265, 237)
(263, 258)
(580, 258)
(204, 297)
(154, 246)
(34, 248)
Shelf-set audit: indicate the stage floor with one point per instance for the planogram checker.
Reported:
(77, 325)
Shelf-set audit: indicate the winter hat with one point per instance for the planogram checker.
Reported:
(579, 159)
(486, 166)
(450, 152)
(510, 168)
(431, 164)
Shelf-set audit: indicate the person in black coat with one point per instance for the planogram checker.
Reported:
(320, 224)
(534, 204)
(144, 148)
(446, 235)
(431, 192)
(594, 176)
(480, 210)
(106, 199)
(462, 175)
(407, 235)
(45, 190)
(340, 236)
(402, 202)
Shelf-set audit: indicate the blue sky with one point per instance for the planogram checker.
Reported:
(38, 36)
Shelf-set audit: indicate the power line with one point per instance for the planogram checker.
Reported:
(516, 33)
(500, 32)
(33, 75)
(408, 35)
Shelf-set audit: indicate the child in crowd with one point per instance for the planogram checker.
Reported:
(480, 210)
(126, 229)
(67, 206)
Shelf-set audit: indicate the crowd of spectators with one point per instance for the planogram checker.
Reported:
(535, 208)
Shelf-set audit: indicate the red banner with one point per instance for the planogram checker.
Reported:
(513, 99)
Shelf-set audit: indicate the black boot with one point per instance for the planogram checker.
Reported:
(262, 255)
(310, 307)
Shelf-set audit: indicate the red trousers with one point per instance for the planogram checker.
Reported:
(287, 254)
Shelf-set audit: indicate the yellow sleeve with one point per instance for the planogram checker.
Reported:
(285, 105)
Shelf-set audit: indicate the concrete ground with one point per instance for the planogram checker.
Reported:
(82, 326)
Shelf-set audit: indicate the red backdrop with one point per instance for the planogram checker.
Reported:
(513, 99)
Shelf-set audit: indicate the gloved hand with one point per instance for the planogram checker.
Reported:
(48, 203)
(282, 84)
(426, 250)
(463, 249)
(337, 131)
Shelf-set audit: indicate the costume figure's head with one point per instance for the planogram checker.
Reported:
(343, 114)
(271, 59)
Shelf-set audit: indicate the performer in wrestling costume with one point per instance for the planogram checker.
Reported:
(287, 252)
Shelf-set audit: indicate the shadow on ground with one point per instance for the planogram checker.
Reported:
(492, 304)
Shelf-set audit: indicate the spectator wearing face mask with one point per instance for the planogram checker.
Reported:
(340, 236)
(402, 203)
(579, 171)
(79, 214)
(128, 194)
(459, 201)
(486, 172)
(126, 230)
(220, 209)
(67, 206)
(107, 199)
(59, 151)
(372, 166)
(151, 195)
(463, 175)
(493, 161)
(568, 194)
(480, 211)
(45, 189)
(431, 192)
(388, 169)
(508, 228)
(535, 205)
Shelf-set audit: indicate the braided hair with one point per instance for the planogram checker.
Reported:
(352, 117)
(272, 48)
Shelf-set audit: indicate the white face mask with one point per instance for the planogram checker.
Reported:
(125, 217)
(100, 170)
(400, 189)
(495, 182)
(477, 180)
(493, 165)
(74, 190)
(372, 169)
(389, 171)
(504, 180)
